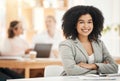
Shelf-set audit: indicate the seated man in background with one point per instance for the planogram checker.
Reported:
(50, 36)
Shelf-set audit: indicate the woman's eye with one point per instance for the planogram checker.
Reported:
(89, 22)
(81, 22)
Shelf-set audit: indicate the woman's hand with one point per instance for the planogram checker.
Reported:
(88, 66)
(55, 53)
(106, 62)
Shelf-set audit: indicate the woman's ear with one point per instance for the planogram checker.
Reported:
(14, 31)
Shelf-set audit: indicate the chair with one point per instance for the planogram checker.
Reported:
(53, 70)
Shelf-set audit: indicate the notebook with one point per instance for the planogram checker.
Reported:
(43, 50)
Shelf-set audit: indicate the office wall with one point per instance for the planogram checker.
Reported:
(110, 9)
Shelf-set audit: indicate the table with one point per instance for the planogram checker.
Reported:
(117, 59)
(29, 64)
(70, 78)
(34, 64)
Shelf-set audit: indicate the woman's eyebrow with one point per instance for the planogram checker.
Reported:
(80, 20)
(83, 20)
(90, 20)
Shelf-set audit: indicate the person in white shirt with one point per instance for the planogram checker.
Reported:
(51, 35)
(14, 45)
(5, 47)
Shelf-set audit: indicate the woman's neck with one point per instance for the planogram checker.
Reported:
(83, 39)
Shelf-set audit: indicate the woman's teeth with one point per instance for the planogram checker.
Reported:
(85, 30)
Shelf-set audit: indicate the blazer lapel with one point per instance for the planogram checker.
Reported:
(95, 49)
(79, 46)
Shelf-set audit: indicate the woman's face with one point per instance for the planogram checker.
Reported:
(18, 30)
(84, 25)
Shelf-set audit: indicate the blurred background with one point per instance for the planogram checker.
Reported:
(32, 13)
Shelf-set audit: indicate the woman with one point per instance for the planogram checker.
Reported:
(14, 45)
(83, 52)
(11, 47)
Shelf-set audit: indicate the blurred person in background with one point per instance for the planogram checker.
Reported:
(14, 45)
(8, 73)
(50, 36)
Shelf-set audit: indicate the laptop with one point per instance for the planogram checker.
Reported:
(43, 50)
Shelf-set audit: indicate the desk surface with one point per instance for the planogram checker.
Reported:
(28, 64)
(70, 78)
(33, 64)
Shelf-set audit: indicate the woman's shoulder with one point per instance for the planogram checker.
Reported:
(67, 42)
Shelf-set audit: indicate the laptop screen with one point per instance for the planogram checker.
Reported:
(43, 50)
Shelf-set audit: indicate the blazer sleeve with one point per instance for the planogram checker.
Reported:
(109, 68)
(70, 66)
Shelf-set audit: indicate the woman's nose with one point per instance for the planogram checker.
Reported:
(86, 25)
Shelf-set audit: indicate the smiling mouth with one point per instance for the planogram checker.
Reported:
(85, 30)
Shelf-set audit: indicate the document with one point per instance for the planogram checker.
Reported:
(88, 78)
(110, 75)
(92, 75)
(103, 75)
(100, 78)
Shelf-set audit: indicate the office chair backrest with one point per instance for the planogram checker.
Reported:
(53, 70)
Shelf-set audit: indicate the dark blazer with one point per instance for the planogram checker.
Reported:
(9, 74)
(72, 52)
